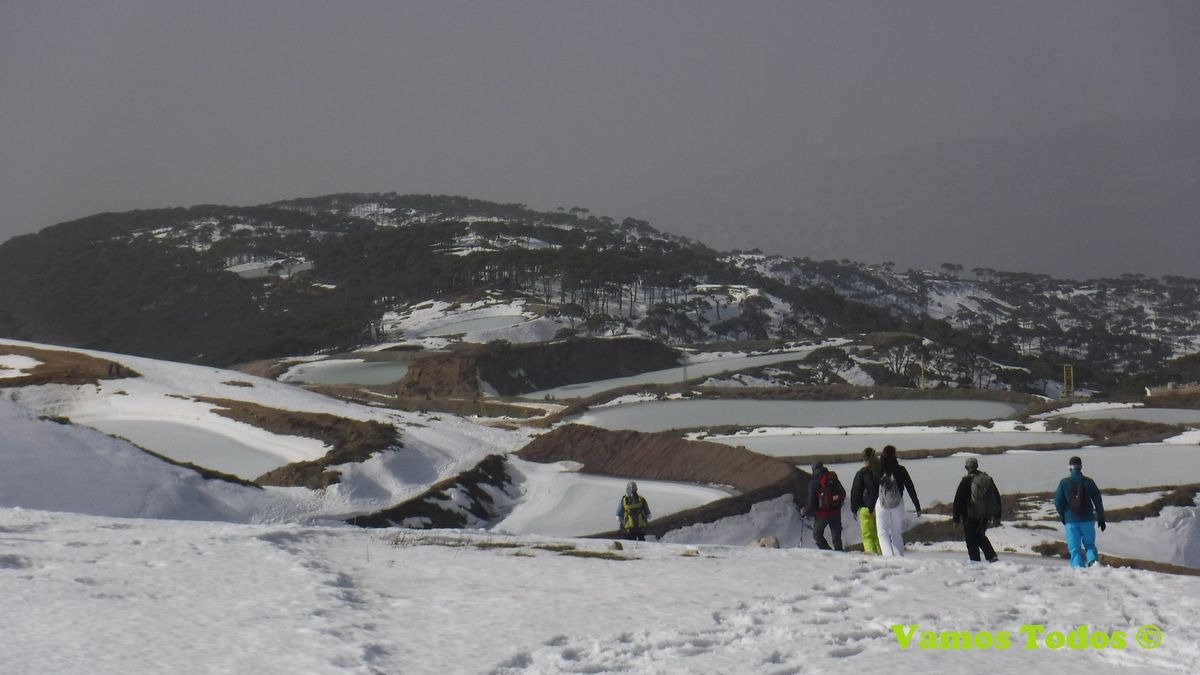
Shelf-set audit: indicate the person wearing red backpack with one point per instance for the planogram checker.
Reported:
(825, 498)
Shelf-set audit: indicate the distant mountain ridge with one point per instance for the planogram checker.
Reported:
(221, 285)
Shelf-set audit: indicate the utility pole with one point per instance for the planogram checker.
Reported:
(1068, 380)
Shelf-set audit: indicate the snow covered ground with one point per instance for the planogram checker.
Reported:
(112, 561)
(158, 411)
(101, 595)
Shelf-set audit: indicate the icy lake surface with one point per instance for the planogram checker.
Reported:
(690, 371)
(343, 371)
(780, 445)
(1161, 415)
(184, 443)
(699, 413)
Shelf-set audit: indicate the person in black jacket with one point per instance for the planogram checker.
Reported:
(889, 510)
(976, 504)
(864, 492)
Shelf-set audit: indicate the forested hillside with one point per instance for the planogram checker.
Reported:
(221, 285)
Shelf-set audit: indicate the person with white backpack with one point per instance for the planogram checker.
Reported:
(889, 510)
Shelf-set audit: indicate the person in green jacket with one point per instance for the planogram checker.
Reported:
(633, 513)
(864, 492)
(1080, 509)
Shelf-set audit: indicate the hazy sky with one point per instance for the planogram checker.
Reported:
(116, 105)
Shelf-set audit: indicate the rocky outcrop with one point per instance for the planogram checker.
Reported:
(636, 455)
(471, 499)
(517, 369)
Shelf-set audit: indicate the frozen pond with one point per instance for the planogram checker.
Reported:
(346, 371)
(184, 443)
(789, 445)
(671, 375)
(565, 504)
(1134, 466)
(1161, 415)
(473, 325)
(699, 413)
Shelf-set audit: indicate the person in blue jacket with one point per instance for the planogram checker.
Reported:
(633, 513)
(1080, 508)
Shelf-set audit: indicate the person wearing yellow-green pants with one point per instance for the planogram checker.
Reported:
(863, 494)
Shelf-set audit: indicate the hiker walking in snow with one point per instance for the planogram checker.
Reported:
(889, 510)
(864, 493)
(976, 505)
(1080, 509)
(825, 498)
(633, 513)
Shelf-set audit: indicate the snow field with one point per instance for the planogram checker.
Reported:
(101, 596)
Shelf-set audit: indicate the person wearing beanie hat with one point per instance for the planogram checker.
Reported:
(976, 504)
(1080, 508)
(825, 498)
(864, 492)
(633, 513)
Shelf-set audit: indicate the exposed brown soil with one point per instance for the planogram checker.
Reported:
(1052, 549)
(1183, 495)
(64, 367)
(431, 504)
(1010, 507)
(635, 455)
(1189, 398)
(517, 369)
(352, 440)
(1115, 431)
(266, 368)
(844, 458)
(1014, 507)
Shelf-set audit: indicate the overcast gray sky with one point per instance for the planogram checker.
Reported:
(123, 104)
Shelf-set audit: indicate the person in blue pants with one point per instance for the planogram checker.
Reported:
(1080, 509)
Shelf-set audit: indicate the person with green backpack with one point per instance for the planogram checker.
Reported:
(1080, 509)
(633, 513)
(976, 505)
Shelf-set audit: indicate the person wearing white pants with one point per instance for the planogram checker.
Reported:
(889, 509)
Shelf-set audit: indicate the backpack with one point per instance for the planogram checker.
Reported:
(830, 493)
(635, 512)
(890, 495)
(1078, 497)
(983, 503)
